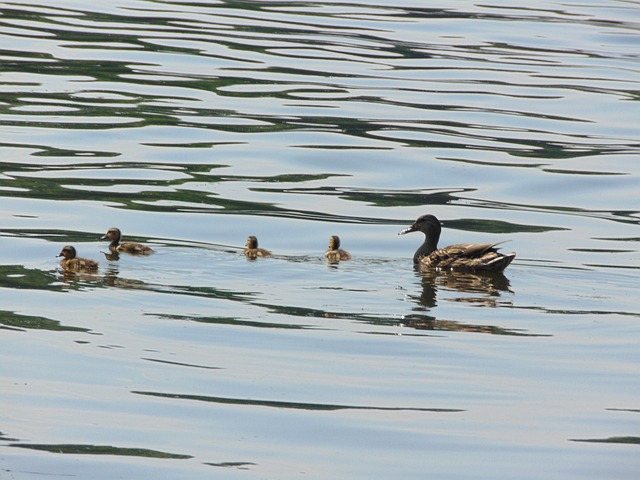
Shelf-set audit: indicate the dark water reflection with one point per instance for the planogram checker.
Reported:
(193, 125)
(487, 290)
(481, 290)
(15, 321)
(289, 405)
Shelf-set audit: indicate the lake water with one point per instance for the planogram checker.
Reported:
(191, 125)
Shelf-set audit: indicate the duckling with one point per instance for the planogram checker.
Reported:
(252, 251)
(469, 257)
(132, 248)
(70, 262)
(335, 253)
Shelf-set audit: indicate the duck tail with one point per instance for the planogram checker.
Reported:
(501, 262)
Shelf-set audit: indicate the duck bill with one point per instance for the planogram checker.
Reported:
(412, 228)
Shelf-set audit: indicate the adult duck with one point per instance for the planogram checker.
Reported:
(252, 251)
(335, 253)
(132, 248)
(468, 257)
(72, 263)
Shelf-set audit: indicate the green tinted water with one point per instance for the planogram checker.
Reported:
(191, 126)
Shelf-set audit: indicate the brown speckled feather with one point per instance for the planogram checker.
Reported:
(334, 256)
(469, 257)
(253, 253)
(78, 264)
(134, 248)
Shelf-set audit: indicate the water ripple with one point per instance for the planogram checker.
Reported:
(191, 125)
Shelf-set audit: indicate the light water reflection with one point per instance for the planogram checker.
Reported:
(193, 125)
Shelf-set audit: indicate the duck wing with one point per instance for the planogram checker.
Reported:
(468, 257)
(79, 264)
(134, 248)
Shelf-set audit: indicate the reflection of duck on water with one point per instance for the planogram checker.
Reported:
(486, 290)
(468, 257)
(487, 287)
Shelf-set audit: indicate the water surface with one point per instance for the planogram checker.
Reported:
(192, 125)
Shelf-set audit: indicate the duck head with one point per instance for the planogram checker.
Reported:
(427, 224)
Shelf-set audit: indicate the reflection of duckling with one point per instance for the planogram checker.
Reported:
(335, 253)
(252, 251)
(114, 235)
(70, 262)
(470, 257)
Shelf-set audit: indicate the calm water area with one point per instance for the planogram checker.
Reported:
(193, 124)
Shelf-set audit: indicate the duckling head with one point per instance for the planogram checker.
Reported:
(67, 252)
(252, 242)
(112, 234)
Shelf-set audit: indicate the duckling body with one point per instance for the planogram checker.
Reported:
(72, 263)
(469, 257)
(132, 248)
(335, 253)
(252, 251)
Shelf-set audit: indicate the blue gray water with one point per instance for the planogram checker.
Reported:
(191, 125)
